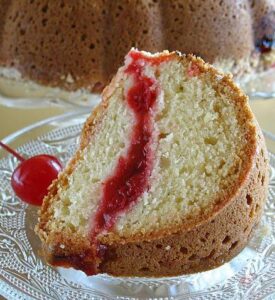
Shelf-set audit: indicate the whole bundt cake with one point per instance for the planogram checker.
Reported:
(80, 44)
(170, 176)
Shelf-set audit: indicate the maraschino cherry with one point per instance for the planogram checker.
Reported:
(31, 179)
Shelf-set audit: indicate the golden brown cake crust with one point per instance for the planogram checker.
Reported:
(204, 247)
(74, 44)
(196, 245)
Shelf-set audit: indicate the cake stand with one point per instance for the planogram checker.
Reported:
(24, 95)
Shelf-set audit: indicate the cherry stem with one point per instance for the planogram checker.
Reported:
(11, 151)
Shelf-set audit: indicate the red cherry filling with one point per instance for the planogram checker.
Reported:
(265, 33)
(265, 44)
(31, 179)
(193, 70)
(131, 176)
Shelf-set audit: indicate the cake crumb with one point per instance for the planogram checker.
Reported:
(69, 78)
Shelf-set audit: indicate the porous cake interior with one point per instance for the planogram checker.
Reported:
(198, 144)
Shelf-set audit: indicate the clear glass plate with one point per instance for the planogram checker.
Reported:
(24, 95)
(20, 94)
(25, 275)
(260, 86)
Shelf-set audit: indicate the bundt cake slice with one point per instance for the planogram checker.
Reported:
(170, 176)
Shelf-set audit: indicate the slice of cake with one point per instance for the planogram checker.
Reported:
(170, 177)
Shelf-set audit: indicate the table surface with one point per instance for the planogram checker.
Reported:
(13, 119)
